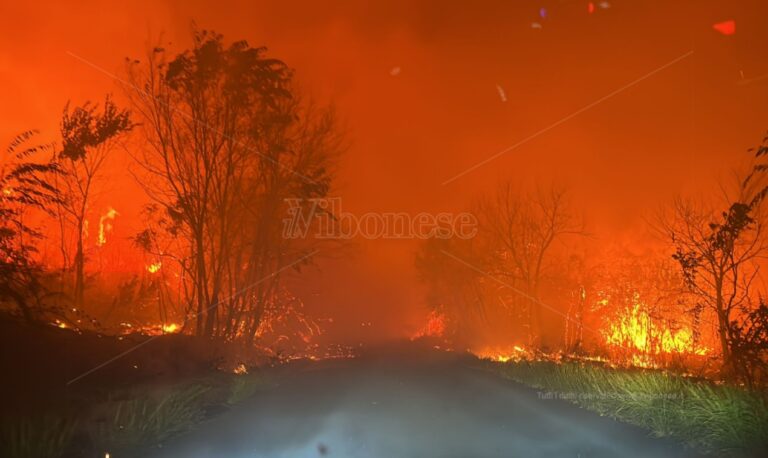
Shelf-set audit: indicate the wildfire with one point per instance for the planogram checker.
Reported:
(105, 225)
(502, 355)
(434, 327)
(151, 329)
(635, 330)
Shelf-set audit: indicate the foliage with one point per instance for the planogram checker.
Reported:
(749, 343)
(24, 187)
(718, 255)
(722, 420)
(83, 128)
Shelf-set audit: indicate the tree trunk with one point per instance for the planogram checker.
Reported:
(722, 328)
(79, 268)
(200, 285)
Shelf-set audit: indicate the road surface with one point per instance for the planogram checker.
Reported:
(408, 404)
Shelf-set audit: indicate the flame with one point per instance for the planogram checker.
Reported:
(151, 329)
(635, 330)
(7, 192)
(170, 328)
(240, 369)
(105, 225)
(154, 267)
(434, 327)
(502, 355)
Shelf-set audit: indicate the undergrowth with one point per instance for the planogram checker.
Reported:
(716, 419)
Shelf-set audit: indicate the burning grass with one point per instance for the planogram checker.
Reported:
(715, 419)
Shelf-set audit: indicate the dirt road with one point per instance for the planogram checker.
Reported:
(408, 403)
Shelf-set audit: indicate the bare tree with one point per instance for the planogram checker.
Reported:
(493, 283)
(523, 228)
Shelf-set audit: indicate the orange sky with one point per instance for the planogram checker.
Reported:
(671, 132)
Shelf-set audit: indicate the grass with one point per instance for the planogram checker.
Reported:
(715, 419)
(128, 421)
(125, 422)
(244, 387)
(45, 436)
(149, 420)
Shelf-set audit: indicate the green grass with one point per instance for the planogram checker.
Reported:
(717, 419)
(126, 421)
(45, 436)
(149, 420)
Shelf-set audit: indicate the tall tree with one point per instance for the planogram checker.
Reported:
(718, 252)
(88, 138)
(228, 142)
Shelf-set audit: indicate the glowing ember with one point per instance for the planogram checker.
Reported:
(171, 328)
(151, 329)
(154, 267)
(240, 369)
(105, 225)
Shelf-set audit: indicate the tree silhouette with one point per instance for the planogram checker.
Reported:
(88, 137)
(24, 188)
(523, 228)
(717, 253)
(229, 140)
